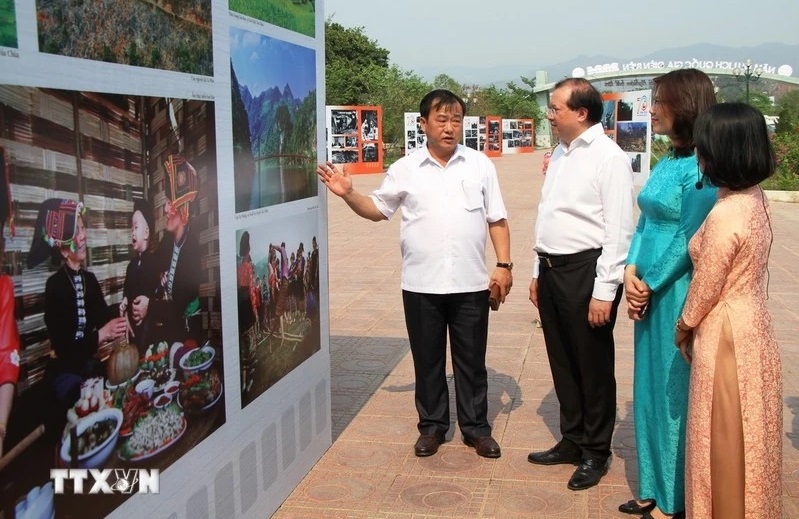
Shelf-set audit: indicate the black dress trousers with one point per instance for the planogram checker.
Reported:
(581, 358)
(429, 317)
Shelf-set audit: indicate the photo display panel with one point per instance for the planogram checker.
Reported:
(164, 255)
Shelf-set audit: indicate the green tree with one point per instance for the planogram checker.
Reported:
(445, 82)
(761, 101)
(788, 110)
(353, 61)
(513, 101)
(397, 91)
(353, 46)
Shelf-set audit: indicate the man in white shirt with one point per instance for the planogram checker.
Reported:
(450, 202)
(583, 232)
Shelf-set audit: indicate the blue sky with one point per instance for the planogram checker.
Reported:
(449, 35)
(262, 62)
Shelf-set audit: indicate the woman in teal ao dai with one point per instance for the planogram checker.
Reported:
(673, 206)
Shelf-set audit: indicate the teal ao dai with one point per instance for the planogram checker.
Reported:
(672, 209)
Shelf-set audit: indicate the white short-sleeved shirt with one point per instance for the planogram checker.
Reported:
(445, 211)
(587, 203)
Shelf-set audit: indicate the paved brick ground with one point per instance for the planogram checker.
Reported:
(371, 472)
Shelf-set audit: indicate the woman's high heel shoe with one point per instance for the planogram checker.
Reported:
(633, 508)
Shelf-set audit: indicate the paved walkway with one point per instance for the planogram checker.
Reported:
(370, 470)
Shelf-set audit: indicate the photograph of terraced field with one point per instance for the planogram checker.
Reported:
(169, 35)
(294, 15)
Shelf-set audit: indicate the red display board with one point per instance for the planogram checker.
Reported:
(493, 146)
(355, 138)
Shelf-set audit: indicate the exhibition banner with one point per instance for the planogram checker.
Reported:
(355, 138)
(493, 147)
(414, 135)
(471, 132)
(164, 266)
(517, 136)
(625, 118)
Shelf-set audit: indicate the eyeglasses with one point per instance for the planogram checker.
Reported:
(551, 110)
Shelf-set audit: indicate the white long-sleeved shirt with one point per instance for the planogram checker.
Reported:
(445, 211)
(587, 203)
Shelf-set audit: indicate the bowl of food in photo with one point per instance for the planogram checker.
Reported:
(95, 435)
(198, 359)
(146, 387)
(162, 401)
(172, 388)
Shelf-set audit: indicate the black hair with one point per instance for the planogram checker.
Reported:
(733, 146)
(439, 98)
(686, 93)
(583, 95)
(244, 244)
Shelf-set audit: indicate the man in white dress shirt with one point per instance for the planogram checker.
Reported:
(583, 232)
(450, 202)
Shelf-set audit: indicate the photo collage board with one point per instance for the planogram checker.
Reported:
(518, 136)
(355, 137)
(414, 135)
(474, 132)
(164, 255)
(625, 117)
(494, 136)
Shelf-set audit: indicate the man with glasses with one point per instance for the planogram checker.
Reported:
(450, 200)
(583, 232)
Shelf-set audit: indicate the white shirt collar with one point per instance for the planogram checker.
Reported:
(587, 137)
(425, 156)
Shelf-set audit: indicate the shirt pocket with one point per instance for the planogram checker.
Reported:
(472, 195)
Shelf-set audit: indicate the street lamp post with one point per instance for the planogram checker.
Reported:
(749, 75)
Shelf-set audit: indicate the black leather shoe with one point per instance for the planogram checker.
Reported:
(485, 446)
(427, 444)
(678, 515)
(633, 508)
(564, 453)
(589, 473)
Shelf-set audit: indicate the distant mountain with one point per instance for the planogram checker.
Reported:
(262, 115)
(773, 54)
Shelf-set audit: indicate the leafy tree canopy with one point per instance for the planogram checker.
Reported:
(352, 46)
(788, 110)
(358, 72)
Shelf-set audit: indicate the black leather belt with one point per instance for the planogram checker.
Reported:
(558, 260)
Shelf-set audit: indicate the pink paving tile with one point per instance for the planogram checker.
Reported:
(371, 472)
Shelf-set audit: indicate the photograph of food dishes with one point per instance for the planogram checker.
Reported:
(141, 408)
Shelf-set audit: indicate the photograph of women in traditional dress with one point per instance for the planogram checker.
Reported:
(277, 277)
(116, 282)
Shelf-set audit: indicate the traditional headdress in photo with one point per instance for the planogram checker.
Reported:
(182, 185)
(56, 227)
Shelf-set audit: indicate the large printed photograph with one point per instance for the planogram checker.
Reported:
(8, 24)
(110, 291)
(277, 276)
(273, 90)
(173, 35)
(294, 15)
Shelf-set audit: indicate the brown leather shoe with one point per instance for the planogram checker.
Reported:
(485, 446)
(427, 444)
